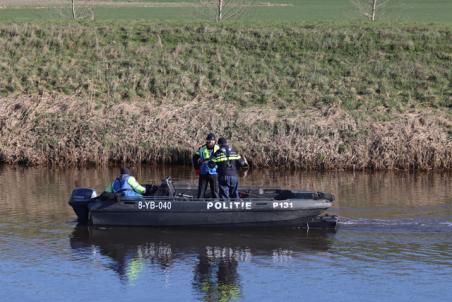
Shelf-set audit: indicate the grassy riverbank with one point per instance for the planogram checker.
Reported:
(320, 96)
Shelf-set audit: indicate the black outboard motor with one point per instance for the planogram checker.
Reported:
(79, 200)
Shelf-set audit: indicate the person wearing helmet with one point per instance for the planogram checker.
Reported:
(227, 162)
(126, 185)
(207, 173)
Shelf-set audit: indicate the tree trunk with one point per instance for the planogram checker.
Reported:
(220, 10)
(73, 9)
(374, 9)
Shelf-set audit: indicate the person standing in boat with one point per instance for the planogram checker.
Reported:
(227, 162)
(126, 185)
(207, 173)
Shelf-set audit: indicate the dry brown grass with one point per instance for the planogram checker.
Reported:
(60, 130)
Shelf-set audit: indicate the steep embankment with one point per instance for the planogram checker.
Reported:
(305, 96)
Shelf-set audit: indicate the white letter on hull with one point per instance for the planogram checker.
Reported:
(209, 205)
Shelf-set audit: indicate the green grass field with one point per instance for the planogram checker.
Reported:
(437, 11)
(357, 65)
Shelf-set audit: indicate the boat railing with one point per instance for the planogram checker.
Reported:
(190, 198)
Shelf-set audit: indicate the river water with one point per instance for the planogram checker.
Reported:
(393, 243)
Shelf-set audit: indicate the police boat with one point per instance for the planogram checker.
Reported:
(166, 206)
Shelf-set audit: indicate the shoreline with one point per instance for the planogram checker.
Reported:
(62, 131)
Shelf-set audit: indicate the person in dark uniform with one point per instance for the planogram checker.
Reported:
(207, 173)
(227, 162)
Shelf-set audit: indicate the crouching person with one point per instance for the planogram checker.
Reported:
(227, 161)
(126, 185)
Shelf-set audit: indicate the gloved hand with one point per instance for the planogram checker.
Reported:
(244, 163)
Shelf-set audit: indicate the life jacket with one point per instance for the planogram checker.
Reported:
(205, 154)
(122, 186)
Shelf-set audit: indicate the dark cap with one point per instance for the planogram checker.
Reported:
(210, 137)
(222, 141)
(124, 170)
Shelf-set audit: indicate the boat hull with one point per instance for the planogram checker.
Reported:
(208, 213)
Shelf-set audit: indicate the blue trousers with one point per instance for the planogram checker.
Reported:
(228, 187)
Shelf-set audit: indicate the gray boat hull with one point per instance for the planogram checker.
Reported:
(207, 213)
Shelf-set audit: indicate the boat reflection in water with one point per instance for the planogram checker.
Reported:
(217, 252)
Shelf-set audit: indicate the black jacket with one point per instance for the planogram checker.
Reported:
(227, 160)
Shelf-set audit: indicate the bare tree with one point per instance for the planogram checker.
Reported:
(222, 10)
(370, 8)
(76, 9)
(73, 10)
